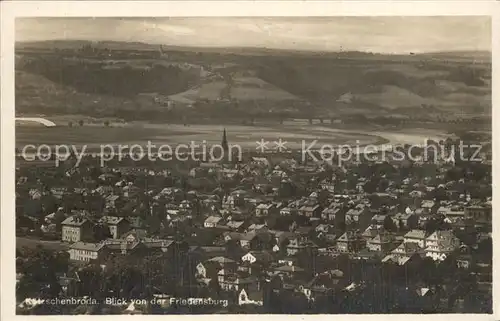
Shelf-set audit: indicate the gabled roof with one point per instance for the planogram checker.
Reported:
(221, 260)
(382, 238)
(262, 256)
(423, 291)
(379, 218)
(75, 220)
(110, 198)
(397, 259)
(213, 219)
(111, 220)
(370, 232)
(288, 268)
(138, 234)
(442, 248)
(407, 248)
(348, 236)
(256, 226)
(87, 246)
(441, 236)
(235, 224)
(416, 234)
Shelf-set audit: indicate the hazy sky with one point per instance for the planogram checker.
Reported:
(376, 34)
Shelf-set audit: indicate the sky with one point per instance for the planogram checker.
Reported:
(373, 34)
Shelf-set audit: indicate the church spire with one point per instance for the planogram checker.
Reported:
(224, 144)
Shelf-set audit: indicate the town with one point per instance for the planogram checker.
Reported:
(268, 233)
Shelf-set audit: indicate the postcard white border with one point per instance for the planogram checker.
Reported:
(11, 10)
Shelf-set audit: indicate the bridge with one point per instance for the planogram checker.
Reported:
(39, 120)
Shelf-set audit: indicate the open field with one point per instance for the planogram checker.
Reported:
(32, 243)
(244, 136)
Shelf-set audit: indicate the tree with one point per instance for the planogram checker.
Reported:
(39, 268)
(80, 122)
(389, 224)
(101, 232)
(214, 287)
(106, 123)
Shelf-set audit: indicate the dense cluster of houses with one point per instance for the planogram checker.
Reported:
(272, 211)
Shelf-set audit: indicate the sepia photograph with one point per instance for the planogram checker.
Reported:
(253, 165)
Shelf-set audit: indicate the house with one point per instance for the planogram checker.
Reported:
(323, 228)
(104, 190)
(35, 194)
(417, 237)
(464, 261)
(235, 282)
(232, 236)
(416, 194)
(295, 246)
(264, 209)
(287, 211)
(423, 219)
(406, 220)
(76, 228)
(200, 270)
(442, 238)
(281, 237)
(370, 232)
(257, 227)
(257, 240)
(59, 192)
(382, 242)
(163, 245)
(261, 257)
(125, 247)
(229, 173)
(255, 298)
(112, 201)
(323, 282)
(303, 233)
(289, 270)
(85, 252)
(212, 221)
(328, 185)
(360, 216)
(232, 201)
(260, 161)
(287, 260)
(117, 225)
(378, 220)
(427, 205)
(130, 190)
(329, 213)
(212, 267)
(452, 213)
(134, 235)
(236, 225)
(439, 252)
(402, 260)
(478, 213)
(310, 210)
(440, 244)
(350, 241)
(407, 249)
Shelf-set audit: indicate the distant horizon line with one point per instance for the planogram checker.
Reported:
(262, 47)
